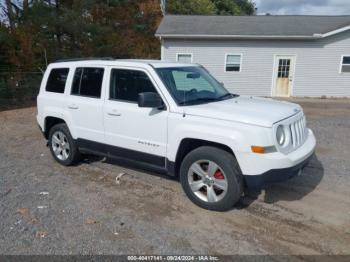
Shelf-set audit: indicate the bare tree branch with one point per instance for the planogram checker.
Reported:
(10, 14)
(163, 6)
(25, 5)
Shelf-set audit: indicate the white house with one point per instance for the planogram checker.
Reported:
(265, 55)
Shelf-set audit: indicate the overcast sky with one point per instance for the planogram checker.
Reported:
(304, 7)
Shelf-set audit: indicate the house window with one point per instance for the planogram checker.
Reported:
(345, 65)
(233, 63)
(184, 58)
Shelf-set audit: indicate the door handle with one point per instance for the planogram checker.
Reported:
(114, 113)
(73, 106)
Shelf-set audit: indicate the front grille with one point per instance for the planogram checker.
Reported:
(298, 132)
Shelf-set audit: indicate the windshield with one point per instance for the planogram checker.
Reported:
(192, 85)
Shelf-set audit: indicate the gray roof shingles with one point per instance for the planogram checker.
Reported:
(302, 26)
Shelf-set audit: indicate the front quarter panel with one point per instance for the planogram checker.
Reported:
(239, 137)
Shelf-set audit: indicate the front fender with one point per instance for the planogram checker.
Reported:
(239, 137)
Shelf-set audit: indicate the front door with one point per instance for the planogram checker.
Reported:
(131, 131)
(283, 76)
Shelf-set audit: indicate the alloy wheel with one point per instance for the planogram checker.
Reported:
(207, 181)
(60, 145)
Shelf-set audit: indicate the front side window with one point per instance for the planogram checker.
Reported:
(127, 84)
(192, 85)
(184, 58)
(345, 66)
(57, 80)
(233, 63)
(87, 81)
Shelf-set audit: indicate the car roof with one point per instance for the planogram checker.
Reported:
(119, 62)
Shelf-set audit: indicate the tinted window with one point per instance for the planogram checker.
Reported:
(127, 84)
(57, 80)
(87, 82)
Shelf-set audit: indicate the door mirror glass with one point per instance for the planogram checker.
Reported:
(150, 99)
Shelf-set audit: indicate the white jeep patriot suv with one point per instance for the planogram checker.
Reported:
(173, 118)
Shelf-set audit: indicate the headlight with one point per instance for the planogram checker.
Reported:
(280, 135)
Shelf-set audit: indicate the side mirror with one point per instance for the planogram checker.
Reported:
(150, 99)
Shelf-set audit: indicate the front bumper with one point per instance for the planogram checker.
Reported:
(275, 175)
(262, 169)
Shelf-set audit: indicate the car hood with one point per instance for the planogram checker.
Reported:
(250, 110)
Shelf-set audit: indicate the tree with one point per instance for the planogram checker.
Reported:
(234, 7)
(211, 7)
(193, 7)
(35, 31)
(10, 13)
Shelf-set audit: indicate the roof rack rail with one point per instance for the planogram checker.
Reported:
(84, 59)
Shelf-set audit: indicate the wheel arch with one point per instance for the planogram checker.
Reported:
(187, 145)
(51, 121)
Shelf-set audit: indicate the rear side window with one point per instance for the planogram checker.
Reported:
(57, 80)
(127, 84)
(87, 82)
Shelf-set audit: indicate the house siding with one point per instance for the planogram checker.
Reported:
(317, 68)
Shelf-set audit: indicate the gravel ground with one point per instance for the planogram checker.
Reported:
(49, 209)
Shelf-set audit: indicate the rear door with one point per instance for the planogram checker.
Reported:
(133, 132)
(85, 103)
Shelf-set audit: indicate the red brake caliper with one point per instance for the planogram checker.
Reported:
(219, 175)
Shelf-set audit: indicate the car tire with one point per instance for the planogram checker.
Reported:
(62, 146)
(211, 178)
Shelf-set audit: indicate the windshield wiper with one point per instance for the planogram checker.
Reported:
(227, 96)
(201, 99)
(209, 99)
